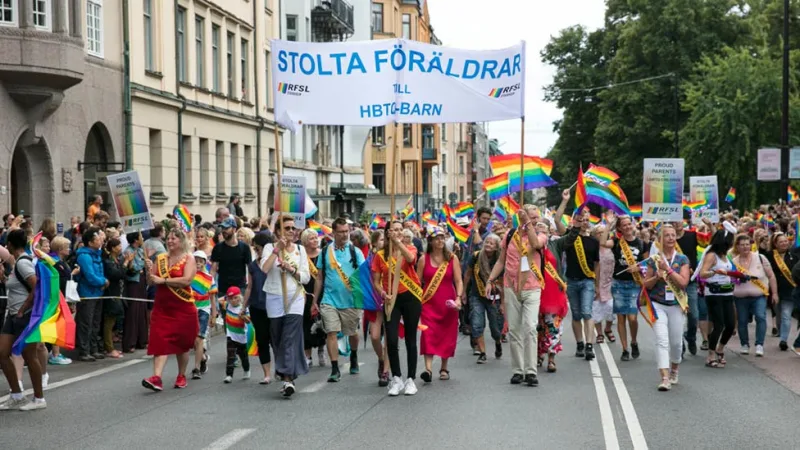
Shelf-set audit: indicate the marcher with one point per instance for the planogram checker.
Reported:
(256, 302)
(204, 290)
(236, 320)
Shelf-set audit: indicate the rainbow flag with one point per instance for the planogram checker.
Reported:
(463, 209)
(51, 321)
(769, 221)
(610, 197)
(201, 283)
(646, 308)
(693, 206)
(594, 220)
(459, 233)
(184, 217)
(377, 222)
(497, 186)
(321, 229)
(731, 195)
(636, 211)
(791, 194)
(365, 296)
(537, 170)
(409, 214)
(600, 175)
(252, 346)
(565, 220)
(580, 192)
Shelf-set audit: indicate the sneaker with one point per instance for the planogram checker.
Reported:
(196, 374)
(589, 352)
(775, 332)
(498, 350)
(86, 358)
(745, 350)
(13, 405)
(704, 346)
(634, 350)
(783, 346)
(693, 348)
(354, 366)
(516, 378)
(673, 377)
(321, 357)
(579, 353)
(531, 380)
(45, 380)
(246, 375)
(37, 403)
(288, 389)
(228, 379)
(98, 356)
(63, 360)
(334, 376)
(482, 358)
(626, 356)
(204, 364)
(180, 382)
(410, 387)
(759, 350)
(310, 362)
(153, 383)
(476, 351)
(54, 360)
(664, 386)
(396, 386)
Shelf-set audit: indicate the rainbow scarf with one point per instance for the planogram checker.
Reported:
(184, 218)
(51, 321)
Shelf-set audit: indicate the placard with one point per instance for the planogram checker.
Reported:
(292, 201)
(794, 163)
(769, 164)
(662, 190)
(705, 189)
(131, 203)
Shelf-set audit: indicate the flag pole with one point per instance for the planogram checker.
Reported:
(522, 164)
(278, 164)
(393, 278)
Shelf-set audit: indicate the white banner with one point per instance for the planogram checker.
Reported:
(372, 83)
(794, 163)
(130, 201)
(662, 190)
(705, 189)
(769, 164)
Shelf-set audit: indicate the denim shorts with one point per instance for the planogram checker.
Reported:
(480, 309)
(203, 317)
(581, 296)
(626, 296)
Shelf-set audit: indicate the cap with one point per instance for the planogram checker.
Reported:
(200, 254)
(233, 291)
(463, 221)
(436, 231)
(229, 222)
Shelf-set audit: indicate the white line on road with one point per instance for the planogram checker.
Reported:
(631, 419)
(230, 439)
(85, 376)
(316, 387)
(606, 417)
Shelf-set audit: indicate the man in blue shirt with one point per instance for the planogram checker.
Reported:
(337, 263)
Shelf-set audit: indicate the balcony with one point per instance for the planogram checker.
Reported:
(429, 155)
(332, 20)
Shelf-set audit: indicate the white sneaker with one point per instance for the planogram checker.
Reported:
(759, 350)
(288, 389)
(664, 386)
(310, 362)
(37, 403)
(246, 375)
(12, 405)
(228, 379)
(745, 350)
(395, 386)
(45, 380)
(410, 387)
(673, 377)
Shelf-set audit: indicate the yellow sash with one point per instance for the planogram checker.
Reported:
(782, 267)
(335, 264)
(628, 255)
(537, 272)
(162, 265)
(518, 242)
(554, 275)
(435, 282)
(412, 287)
(756, 282)
(680, 294)
(582, 258)
(312, 267)
(523, 252)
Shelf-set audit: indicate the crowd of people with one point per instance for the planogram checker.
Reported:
(164, 289)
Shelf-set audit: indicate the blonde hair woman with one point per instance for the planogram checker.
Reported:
(750, 296)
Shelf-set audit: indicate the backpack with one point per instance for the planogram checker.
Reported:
(18, 275)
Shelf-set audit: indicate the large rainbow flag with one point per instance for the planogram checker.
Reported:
(537, 170)
(365, 296)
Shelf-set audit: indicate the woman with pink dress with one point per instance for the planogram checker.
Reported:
(440, 274)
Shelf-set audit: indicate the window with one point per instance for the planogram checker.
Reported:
(407, 135)
(249, 165)
(379, 177)
(273, 162)
(204, 187)
(378, 135)
(94, 27)
(377, 17)
(407, 26)
(245, 71)
(444, 132)
(149, 63)
(220, 167)
(427, 136)
(8, 12)
(231, 69)
(461, 165)
(180, 27)
(235, 169)
(444, 162)
(291, 27)
(41, 14)
(444, 193)
(461, 193)
(186, 144)
(215, 61)
(199, 53)
(266, 78)
(156, 171)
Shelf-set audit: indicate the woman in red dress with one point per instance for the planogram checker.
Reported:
(173, 322)
(440, 273)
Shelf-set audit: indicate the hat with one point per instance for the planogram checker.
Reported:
(200, 254)
(463, 221)
(233, 291)
(436, 231)
(229, 222)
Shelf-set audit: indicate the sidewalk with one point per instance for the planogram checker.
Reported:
(783, 367)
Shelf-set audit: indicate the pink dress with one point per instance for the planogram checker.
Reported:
(439, 339)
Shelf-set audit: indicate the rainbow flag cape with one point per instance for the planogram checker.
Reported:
(184, 218)
(252, 347)
(731, 195)
(51, 321)
(600, 175)
(537, 170)
(365, 296)
(463, 209)
(646, 308)
(497, 186)
(461, 234)
(321, 229)
(791, 194)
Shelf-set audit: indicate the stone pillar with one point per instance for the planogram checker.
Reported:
(60, 16)
(26, 15)
(76, 19)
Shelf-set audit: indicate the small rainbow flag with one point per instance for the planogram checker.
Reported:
(636, 211)
(201, 283)
(594, 220)
(600, 175)
(792, 195)
(796, 226)
(537, 170)
(731, 195)
(646, 308)
(377, 222)
(565, 220)
(496, 186)
(463, 209)
(580, 193)
(459, 233)
(321, 229)
(252, 347)
(184, 217)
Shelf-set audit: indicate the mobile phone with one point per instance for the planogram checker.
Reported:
(59, 227)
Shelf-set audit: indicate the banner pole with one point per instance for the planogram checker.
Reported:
(522, 164)
(279, 224)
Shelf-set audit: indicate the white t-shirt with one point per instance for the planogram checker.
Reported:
(294, 289)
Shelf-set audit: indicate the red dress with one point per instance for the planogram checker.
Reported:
(439, 339)
(173, 322)
(554, 299)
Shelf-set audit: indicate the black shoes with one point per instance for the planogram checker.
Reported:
(783, 346)
(482, 358)
(579, 353)
(626, 356)
(693, 348)
(498, 350)
(634, 350)
(516, 378)
(531, 380)
(589, 352)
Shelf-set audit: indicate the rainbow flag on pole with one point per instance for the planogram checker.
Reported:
(184, 217)
(791, 194)
(537, 170)
(497, 186)
(321, 229)
(731, 195)
(461, 234)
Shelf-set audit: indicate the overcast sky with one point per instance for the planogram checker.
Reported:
(473, 24)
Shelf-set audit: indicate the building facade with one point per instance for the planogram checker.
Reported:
(61, 102)
(480, 162)
(202, 126)
(329, 157)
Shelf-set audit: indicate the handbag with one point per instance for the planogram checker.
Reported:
(71, 291)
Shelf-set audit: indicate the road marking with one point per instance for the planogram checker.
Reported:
(316, 387)
(606, 417)
(631, 419)
(85, 376)
(230, 439)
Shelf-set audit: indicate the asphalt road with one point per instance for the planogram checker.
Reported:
(605, 404)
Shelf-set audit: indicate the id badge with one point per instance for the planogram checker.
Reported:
(668, 294)
(524, 264)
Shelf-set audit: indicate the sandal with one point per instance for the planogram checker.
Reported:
(721, 360)
(600, 339)
(426, 376)
(444, 374)
(610, 336)
(551, 366)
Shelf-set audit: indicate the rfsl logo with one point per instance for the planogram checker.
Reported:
(662, 209)
(506, 91)
(293, 89)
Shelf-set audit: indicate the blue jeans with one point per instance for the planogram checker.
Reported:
(581, 295)
(696, 311)
(787, 306)
(756, 306)
(480, 310)
(203, 317)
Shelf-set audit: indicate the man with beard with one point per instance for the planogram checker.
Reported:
(230, 258)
